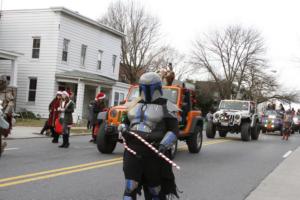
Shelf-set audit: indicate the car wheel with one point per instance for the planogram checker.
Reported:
(255, 132)
(105, 144)
(245, 131)
(223, 133)
(194, 142)
(210, 130)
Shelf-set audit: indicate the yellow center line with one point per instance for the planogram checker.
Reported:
(16, 180)
(58, 174)
(59, 169)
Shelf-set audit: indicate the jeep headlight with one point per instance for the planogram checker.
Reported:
(217, 116)
(113, 113)
(237, 117)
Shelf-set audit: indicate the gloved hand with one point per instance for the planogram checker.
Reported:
(123, 129)
(162, 148)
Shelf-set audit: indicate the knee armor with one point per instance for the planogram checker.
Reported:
(130, 189)
(154, 192)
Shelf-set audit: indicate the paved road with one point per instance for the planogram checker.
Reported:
(35, 169)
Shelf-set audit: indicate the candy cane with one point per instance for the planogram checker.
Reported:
(127, 148)
(155, 150)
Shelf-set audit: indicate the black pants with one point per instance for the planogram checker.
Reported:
(54, 134)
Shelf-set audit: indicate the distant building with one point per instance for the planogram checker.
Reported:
(45, 50)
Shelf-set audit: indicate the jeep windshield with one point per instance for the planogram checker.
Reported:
(234, 105)
(169, 93)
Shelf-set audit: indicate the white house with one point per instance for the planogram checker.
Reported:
(46, 50)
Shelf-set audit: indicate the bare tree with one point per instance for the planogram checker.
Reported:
(140, 45)
(228, 56)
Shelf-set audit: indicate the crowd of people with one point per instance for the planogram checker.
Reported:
(60, 118)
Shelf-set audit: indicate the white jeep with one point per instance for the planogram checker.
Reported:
(235, 116)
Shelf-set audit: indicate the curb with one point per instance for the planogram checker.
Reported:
(43, 136)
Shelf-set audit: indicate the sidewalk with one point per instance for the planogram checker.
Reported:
(23, 132)
(283, 183)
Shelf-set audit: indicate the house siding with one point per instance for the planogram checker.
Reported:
(16, 31)
(80, 33)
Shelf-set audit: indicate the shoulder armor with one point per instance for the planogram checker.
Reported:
(171, 107)
(171, 110)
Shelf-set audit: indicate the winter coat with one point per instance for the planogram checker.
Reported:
(67, 113)
(54, 113)
(97, 107)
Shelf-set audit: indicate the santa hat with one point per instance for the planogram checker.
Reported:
(59, 93)
(65, 93)
(100, 95)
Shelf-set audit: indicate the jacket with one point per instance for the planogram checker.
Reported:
(69, 109)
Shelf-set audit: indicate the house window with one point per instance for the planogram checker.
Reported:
(114, 59)
(36, 47)
(32, 89)
(119, 96)
(65, 50)
(83, 54)
(99, 61)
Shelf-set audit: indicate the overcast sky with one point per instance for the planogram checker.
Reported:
(183, 20)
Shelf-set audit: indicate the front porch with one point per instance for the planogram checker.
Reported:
(9, 71)
(11, 56)
(84, 87)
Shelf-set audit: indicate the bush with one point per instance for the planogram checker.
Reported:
(27, 115)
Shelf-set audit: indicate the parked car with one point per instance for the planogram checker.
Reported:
(271, 121)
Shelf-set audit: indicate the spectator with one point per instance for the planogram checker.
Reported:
(287, 124)
(209, 116)
(90, 114)
(98, 106)
(53, 115)
(66, 109)
(8, 112)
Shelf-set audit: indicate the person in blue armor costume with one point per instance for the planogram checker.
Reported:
(155, 119)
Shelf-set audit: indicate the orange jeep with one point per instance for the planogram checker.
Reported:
(190, 121)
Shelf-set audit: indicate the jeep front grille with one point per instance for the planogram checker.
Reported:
(227, 118)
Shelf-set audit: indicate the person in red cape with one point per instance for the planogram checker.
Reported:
(53, 115)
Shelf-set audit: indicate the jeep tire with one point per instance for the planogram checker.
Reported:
(194, 141)
(105, 144)
(210, 130)
(255, 132)
(245, 131)
(223, 134)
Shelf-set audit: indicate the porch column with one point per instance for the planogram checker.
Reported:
(14, 73)
(79, 100)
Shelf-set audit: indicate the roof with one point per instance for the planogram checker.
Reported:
(87, 20)
(75, 15)
(75, 74)
(5, 54)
